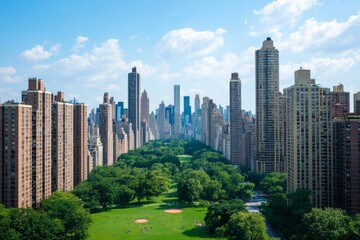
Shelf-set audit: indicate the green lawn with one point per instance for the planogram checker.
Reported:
(118, 223)
(184, 158)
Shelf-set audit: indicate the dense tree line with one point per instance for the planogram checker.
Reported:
(293, 215)
(61, 216)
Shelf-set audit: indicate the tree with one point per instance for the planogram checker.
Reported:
(213, 191)
(69, 209)
(189, 190)
(6, 230)
(328, 223)
(246, 226)
(124, 196)
(30, 224)
(104, 191)
(355, 228)
(218, 214)
(272, 180)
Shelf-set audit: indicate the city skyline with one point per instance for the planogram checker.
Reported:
(196, 50)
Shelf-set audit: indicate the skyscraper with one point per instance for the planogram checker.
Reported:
(16, 155)
(197, 103)
(161, 120)
(144, 119)
(106, 131)
(62, 145)
(134, 104)
(81, 163)
(177, 118)
(41, 102)
(236, 128)
(309, 147)
(187, 110)
(268, 157)
(145, 107)
(119, 111)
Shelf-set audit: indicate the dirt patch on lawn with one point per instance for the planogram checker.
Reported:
(174, 210)
(143, 220)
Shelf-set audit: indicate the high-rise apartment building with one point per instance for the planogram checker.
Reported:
(95, 146)
(236, 126)
(81, 163)
(177, 116)
(62, 145)
(268, 158)
(134, 104)
(339, 101)
(41, 102)
(347, 147)
(309, 146)
(16, 155)
(106, 131)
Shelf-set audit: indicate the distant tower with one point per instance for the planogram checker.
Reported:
(177, 118)
(187, 110)
(268, 157)
(197, 103)
(236, 128)
(106, 131)
(134, 104)
(144, 119)
(161, 120)
(119, 111)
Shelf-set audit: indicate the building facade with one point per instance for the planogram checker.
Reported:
(309, 147)
(16, 155)
(236, 126)
(268, 158)
(134, 104)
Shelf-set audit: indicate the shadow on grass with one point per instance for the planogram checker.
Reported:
(199, 232)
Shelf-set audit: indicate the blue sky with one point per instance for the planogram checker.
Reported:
(86, 48)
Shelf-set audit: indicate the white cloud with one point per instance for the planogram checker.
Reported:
(284, 11)
(8, 75)
(323, 34)
(189, 42)
(38, 53)
(80, 40)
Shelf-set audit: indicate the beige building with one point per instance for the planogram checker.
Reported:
(106, 131)
(41, 102)
(309, 152)
(81, 161)
(62, 145)
(15, 155)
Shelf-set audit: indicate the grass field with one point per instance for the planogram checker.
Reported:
(118, 223)
(184, 158)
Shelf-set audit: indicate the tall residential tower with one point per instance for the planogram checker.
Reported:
(134, 104)
(267, 156)
(235, 120)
